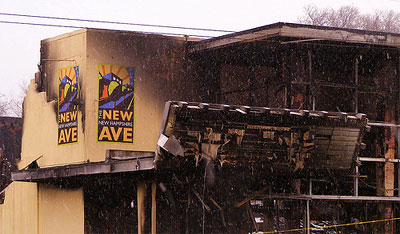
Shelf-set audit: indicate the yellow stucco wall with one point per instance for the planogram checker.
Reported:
(19, 213)
(39, 209)
(155, 59)
(158, 70)
(39, 137)
(60, 210)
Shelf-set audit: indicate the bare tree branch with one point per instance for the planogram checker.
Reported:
(350, 17)
(12, 105)
(4, 105)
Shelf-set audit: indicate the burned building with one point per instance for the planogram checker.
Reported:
(281, 127)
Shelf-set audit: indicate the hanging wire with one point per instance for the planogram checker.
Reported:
(116, 22)
(80, 27)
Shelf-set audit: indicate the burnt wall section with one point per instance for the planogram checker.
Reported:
(204, 73)
(322, 75)
(58, 52)
(243, 75)
(262, 73)
(315, 76)
(159, 61)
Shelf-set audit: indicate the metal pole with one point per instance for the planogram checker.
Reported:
(356, 182)
(308, 208)
(313, 103)
(141, 196)
(311, 97)
(308, 217)
(398, 180)
(153, 207)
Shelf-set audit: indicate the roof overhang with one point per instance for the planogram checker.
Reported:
(116, 162)
(295, 33)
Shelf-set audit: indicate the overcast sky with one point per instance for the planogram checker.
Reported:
(20, 44)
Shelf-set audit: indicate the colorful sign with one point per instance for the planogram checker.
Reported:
(68, 92)
(116, 103)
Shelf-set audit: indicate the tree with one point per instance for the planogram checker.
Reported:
(350, 17)
(12, 105)
(385, 21)
(4, 105)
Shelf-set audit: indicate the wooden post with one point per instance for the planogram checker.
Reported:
(389, 171)
(390, 110)
(305, 219)
(397, 152)
(308, 220)
(356, 83)
(252, 78)
(310, 97)
(141, 205)
(284, 80)
(398, 121)
(153, 207)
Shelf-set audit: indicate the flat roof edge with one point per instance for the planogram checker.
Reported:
(91, 168)
(98, 30)
(64, 35)
(346, 35)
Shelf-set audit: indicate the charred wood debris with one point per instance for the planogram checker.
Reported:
(212, 155)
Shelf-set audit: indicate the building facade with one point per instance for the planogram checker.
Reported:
(93, 114)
